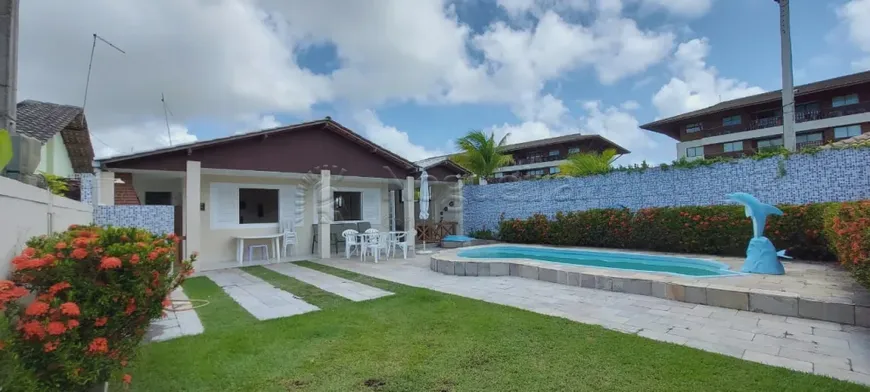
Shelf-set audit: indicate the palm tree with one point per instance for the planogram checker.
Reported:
(588, 163)
(480, 154)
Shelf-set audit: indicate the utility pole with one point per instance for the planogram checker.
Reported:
(788, 133)
(9, 65)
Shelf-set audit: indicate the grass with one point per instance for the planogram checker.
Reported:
(421, 340)
(308, 293)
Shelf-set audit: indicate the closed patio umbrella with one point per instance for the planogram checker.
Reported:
(424, 203)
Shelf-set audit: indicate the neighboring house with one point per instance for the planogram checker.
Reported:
(251, 184)
(63, 132)
(825, 111)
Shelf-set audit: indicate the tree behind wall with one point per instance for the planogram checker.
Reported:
(588, 163)
(480, 154)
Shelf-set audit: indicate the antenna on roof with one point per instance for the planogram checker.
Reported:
(166, 118)
(91, 64)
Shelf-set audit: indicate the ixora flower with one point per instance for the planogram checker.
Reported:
(127, 379)
(79, 253)
(56, 328)
(50, 346)
(58, 287)
(33, 329)
(101, 321)
(98, 346)
(60, 245)
(70, 309)
(37, 308)
(72, 324)
(110, 263)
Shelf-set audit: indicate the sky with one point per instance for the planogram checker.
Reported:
(413, 76)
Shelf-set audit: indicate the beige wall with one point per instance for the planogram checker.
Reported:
(218, 247)
(28, 211)
(145, 183)
(54, 158)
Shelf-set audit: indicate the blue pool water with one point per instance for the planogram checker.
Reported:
(457, 238)
(624, 261)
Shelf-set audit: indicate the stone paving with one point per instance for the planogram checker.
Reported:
(349, 289)
(181, 322)
(836, 350)
(259, 298)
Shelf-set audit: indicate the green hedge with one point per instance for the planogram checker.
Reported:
(717, 230)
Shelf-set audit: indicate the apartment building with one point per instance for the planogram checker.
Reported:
(825, 111)
(542, 157)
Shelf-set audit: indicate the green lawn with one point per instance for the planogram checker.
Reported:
(420, 340)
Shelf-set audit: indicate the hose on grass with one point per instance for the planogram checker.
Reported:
(191, 304)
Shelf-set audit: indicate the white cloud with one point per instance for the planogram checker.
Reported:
(685, 8)
(527, 131)
(621, 128)
(391, 138)
(140, 137)
(630, 105)
(695, 84)
(855, 15)
(252, 123)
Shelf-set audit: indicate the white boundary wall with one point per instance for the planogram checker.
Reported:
(27, 211)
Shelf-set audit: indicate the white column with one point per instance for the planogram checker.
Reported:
(410, 223)
(325, 207)
(192, 199)
(106, 188)
(458, 207)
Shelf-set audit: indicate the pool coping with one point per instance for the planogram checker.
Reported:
(660, 285)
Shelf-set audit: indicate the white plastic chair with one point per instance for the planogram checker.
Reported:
(264, 250)
(399, 240)
(351, 242)
(289, 238)
(371, 230)
(376, 243)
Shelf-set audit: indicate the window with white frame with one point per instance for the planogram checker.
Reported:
(241, 206)
(734, 146)
(844, 100)
(554, 170)
(574, 150)
(809, 137)
(847, 131)
(499, 175)
(554, 153)
(731, 120)
(692, 128)
(693, 152)
(536, 172)
(770, 143)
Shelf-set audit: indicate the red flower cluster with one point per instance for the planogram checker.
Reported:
(110, 263)
(98, 346)
(9, 292)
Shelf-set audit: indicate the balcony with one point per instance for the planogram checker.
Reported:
(816, 143)
(799, 117)
(537, 159)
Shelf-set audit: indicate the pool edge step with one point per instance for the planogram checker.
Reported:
(755, 300)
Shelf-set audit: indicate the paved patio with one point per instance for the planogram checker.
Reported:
(837, 350)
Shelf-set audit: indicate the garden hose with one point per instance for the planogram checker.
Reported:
(190, 302)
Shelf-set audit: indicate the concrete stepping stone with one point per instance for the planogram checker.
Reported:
(259, 298)
(182, 322)
(349, 289)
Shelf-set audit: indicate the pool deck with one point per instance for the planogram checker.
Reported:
(821, 291)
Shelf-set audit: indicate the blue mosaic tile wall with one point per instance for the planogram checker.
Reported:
(87, 187)
(156, 219)
(834, 175)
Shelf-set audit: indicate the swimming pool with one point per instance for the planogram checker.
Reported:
(625, 261)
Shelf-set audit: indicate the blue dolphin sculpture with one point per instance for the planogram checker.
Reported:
(756, 210)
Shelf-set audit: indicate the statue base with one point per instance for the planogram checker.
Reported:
(761, 258)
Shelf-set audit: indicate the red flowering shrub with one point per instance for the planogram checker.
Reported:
(96, 290)
(848, 227)
(719, 230)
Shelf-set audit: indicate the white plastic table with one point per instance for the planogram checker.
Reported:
(364, 238)
(240, 241)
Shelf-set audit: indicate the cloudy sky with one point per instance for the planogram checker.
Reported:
(415, 75)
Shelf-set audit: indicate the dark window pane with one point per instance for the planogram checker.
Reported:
(258, 206)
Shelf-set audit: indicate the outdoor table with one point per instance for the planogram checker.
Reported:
(240, 241)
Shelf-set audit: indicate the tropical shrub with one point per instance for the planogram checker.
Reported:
(482, 234)
(481, 154)
(718, 230)
(95, 292)
(588, 163)
(847, 225)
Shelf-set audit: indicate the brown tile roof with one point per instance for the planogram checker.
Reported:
(576, 137)
(326, 123)
(862, 138)
(771, 96)
(43, 120)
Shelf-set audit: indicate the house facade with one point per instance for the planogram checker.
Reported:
(314, 174)
(63, 132)
(542, 157)
(825, 111)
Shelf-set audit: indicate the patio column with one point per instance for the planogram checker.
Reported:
(192, 200)
(105, 188)
(458, 206)
(410, 223)
(326, 214)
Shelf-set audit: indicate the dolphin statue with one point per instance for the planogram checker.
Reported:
(756, 210)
